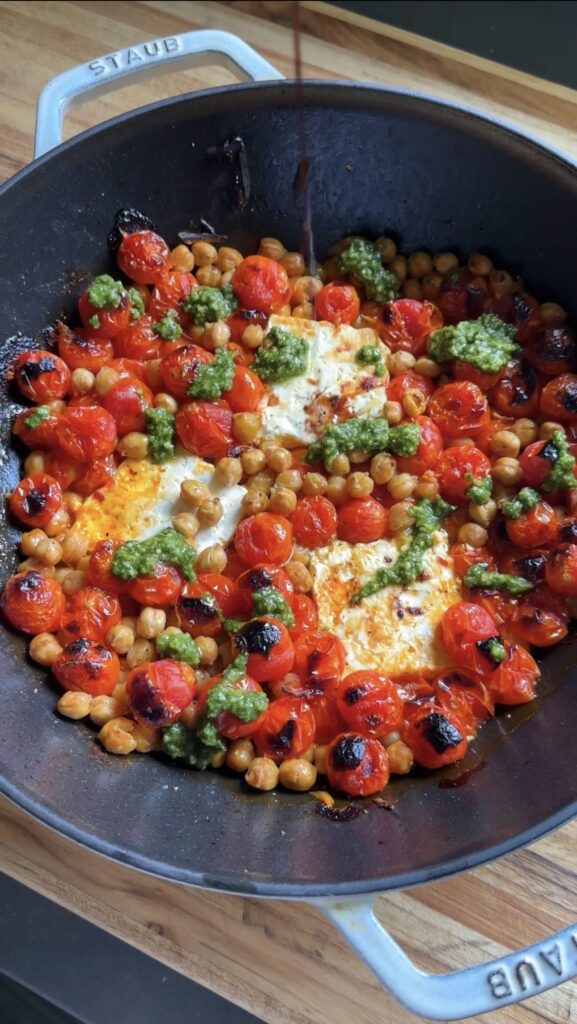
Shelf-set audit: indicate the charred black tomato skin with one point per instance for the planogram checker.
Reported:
(258, 637)
(34, 502)
(439, 732)
(569, 396)
(553, 346)
(127, 222)
(523, 309)
(29, 583)
(568, 532)
(145, 700)
(532, 567)
(32, 370)
(549, 452)
(258, 579)
(197, 610)
(524, 382)
(353, 694)
(284, 737)
(81, 646)
(348, 753)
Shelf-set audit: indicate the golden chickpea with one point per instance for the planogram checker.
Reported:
(262, 481)
(190, 716)
(279, 459)
(262, 774)
(33, 565)
(227, 259)
(507, 471)
(228, 471)
(253, 461)
(204, 254)
(314, 483)
(473, 534)
(150, 623)
(479, 264)
(393, 412)
(34, 463)
(116, 736)
(431, 285)
(104, 709)
(252, 336)
(193, 493)
(460, 442)
(443, 262)
(294, 264)
(427, 367)
(282, 501)
(391, 737)
(552, 313)
(133, 446)
(82, 381)
(400, 758)
(340, 466)
(239, 755)
(399, 267)
(72, 502)
(272, 248)
(427, 486)
(505, 442)
(246, 426)
(298, 774)
(73, 581)
(400, 516)
(401, 362)
(546, 430)
(146, 738)
(44, 649)
(120, 638)
(74, 546)
(383, 468)
(152, 368)
(290, 478)
(181, 258)
(526, 430)
(49, 552)
(402, 486)
(254, 502)
(211, 559)
(104, 380)
(320, 757)
(187, 524)
(216, 335)
(336, 489)
(74, 705)
(165, 401)
(359, 485)
(210, 512)
(419, 263)
(141, 651)
(301, 555)
(356, 457)
(304, 311)
(299, 576)
(208, 649)
(29, 542)
(500, 282)
(414, 402)
(386, 248)
(483, 514)
(305, 288)
(412, 289)
(58, 524)
(218, 758)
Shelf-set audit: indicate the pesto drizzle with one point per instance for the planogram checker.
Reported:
(140, 558)
(560, 476)
(478, 577)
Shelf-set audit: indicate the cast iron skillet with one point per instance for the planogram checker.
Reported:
(438, 177)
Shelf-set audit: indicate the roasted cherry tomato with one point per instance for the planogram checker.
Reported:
(163, 587)
(338, 303)
(409, 381)
(559, 398)
(64, 470)
(464, 556)
(87, 666)
(203, 603)
(243, 318)
(104, 323)
(319, 663)
(261, 577)
(127, 401)
(143, 257)
(314, 521)
(360, 520)
(269, 647)
(126, 367)
(540, 617)
(99, 572)
(466, 628)
(86, 433)
(465, 371)
(305, 615)
(41, 376)
(406, 325)
(43, 434)
(205, 428)
(247, 391)
(537, 461)
(514, 680)
(517, 391)
(81, 350)
(529, 564)
(178, 368)
(227, 724)
(328, 721)
(35, 499)
(552, 350)
(33, 602)
(169, 291)
(526, 316)
(428, 450)
(263, 537)
(436, 737)
(457, 468)
(561, 570)
(370, 704)
(95, 474)
(90, 612)
(466, 698)
(261, 283)
(357, 765)
(459, 409)
(157, 691)
(138, 341)
(539, 526)
(453, 301)
(287, 730)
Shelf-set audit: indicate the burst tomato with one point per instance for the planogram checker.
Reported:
(127, 401)
(517, 391)
(247, 391)
(459, 409)
(539, 526)
(138, 341)
(157, 691)
(537, 461)
(162, 587)
(410, 381)
(178, 368)
(314, 521)
(33, 602)
(361, 520)
(90, 612)
(143, 257)
(227, 724)
(243, 318)
(369, 703)
(305, 615)
(465, 627)
(465, 697)
(287, 730)
(552, 350)
(261, 283)
(81, 350)
(269, 647)
(406, 325)
(559, 398)
(357, 765)
(95, 474)
(328, 721)
(204, 602)
(88, 667)
(86, 433)
(35, 499)
(464, 556)
(457, 467)
(540, 617)
(436, 736)
(41, 376)
(561, 570)
(205, 428)
(428, 450)
(169, 291)
(514, 680)
(261, 577)
(104, 323)
(42, 435)
(319, 663)
(99, 572)
(263, 538)
(338, 303)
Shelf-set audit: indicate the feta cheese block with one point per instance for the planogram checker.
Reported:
(395, 630)
(334, 388)
(144, 496)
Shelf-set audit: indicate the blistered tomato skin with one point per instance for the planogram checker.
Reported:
(36, 499)
(369, 703)
(87, 666)
(361, 520)
(338, 303)
(561, 570)
(517, 392)
(405, 325)
(138, 341)
(539, 526)
(357, 765)
(205, 428)
(203, 603)
(143, 257)
(459, 409)
(514, 680)
(159, 589)
(287, 730)
(410, 381)
(261, 577)
(436, 737)
(464, 627)
(90, 612)
(99, 572)
(104, 323)
(86, 433)
(41, 376)
(314, 521)
(178, 368)
(261, 284)
(157, 691)
(127, 401)
(319, 663)
(428, 450)
(264, 538)
(227, 724)
(40, 436)
(269, 647)
(457, 468)
(33, 602)
(247, 393)
(552, 350)
(559, 398)
(305, 615)
(82, 350)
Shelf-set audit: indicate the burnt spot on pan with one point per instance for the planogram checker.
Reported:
(234, 151)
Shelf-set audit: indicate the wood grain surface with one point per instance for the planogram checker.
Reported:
(282, 961)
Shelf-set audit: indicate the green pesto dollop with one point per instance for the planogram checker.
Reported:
(169, 327)
(159, 426)
(94, 321)
(179, 647)
(269, 601)
(363, 261)
(478, 577)
(561, 475)
(137, 306)
(427, 517)
(206, 305)
(211, 379)
(364, 435)
(487, 343)
(37, 416)
(493, 648)
(105, 292)
(404, 439)
(479, 490)
(371, 355)
(140, 557)
(281, 357)
(526, 499)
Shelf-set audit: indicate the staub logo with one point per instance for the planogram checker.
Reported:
(145, 53)
(526, 976)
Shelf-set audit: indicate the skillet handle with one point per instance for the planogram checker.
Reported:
(490, 986)
(141, 61)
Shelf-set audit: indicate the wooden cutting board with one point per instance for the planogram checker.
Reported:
(281, 960)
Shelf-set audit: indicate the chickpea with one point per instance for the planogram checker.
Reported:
(116, 736)
(301, 555)
(419, 263)
(204, 254)
(359, 485)
(187, 524)
(443, 262)
(208, 649)
(253, 461)
(150, 623)
(190, 716)
(431, 284)
(210, 512)
(320, 757)
(400, 758)
(412, 289)
(386, 248)
(460, 442)
(400, 517)
(193, 493)
(34, 463)
(290, 478)
(391, 737)
(146, 738)
(133, 446)
(216, 335)
(74, 546)
(104, 380)
(393, 412)
(340, 466)
(253, 503)
(181, 259)
(479, 264)
(305, 311)
(246, 426)
(282, 500)
(218, 758)
(152, 369)
(239, 755)
(73, 581)
(278, 459)
(399, 267)
(505, 442)
(228, 471)
(82, 381)
(526, 430)
(272, 248)
(120, 637)
(58, 524)
(336, 490)
(165, 401)
(252, 336)
(483, 514)
(104, 709)
(141, 651)
(299, 576)
(414, 402)
(29, 542)
(72, 502)
(74, 705)
(402, 486)
(44, 649)
(49, 552)
(34, 565)
(305, 288)
(383, 468)
(401, 362)
(297, 773)
(473, 534)
(227, 258)
(500, 282)
(212, 559)
(262, 774)
(507, 471)
(552, 313)
(427, 367)
(357, 457)
(262, 481)
(427, 486)
(314, 483)
(546, 430)
(294, 264)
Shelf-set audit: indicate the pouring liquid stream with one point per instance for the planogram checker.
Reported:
(301, 184)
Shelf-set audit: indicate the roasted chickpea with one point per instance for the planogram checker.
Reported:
(212, 559)
(387, 248)
(44, 649)
(314, 483)
(412, 289)
(82, 381)
(210, 512)
(253, 336)
(150, 623)
(400, 758)
(120, 638)
(414, 403)
(479, 264)
(443, 262)
(254, 502)
(104, 709)
(74, 546)
(133, 446)
(75, 705)
(427, 486)
(216, 335)
(383, 468)
(278, 459)
(299, 576)
(419, 263)
(104, 380)
(552, 313)
(294, 264)
(253, 461)
(228, 471)
(526, 430)
(141, 651)
(204, 254)
(262, 774)
(34, 463)
(290, 478)
(400, 517)
(272, 248)
(431, 285)
(165, 401)
(208, 649)
(336, 489)
(505, 442)
(181, 258)
(359, 485)
(400, 362)
(227, 258)
(282, 500)
(393, 412)
(187, 524)
(507, 472)
(399, 267)
(500, 282)
(246, 426)
(340, 466)
(116, 736)
(473, 534)
(194, 493)
(320, 757)
(239, 755)
(297, 774)
(402, 486)
(305, 288)
(483, 514)
(427, 367)
(546, 430)
(262, 481)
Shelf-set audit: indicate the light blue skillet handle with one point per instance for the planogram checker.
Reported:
(146, 60)
(490, 986)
